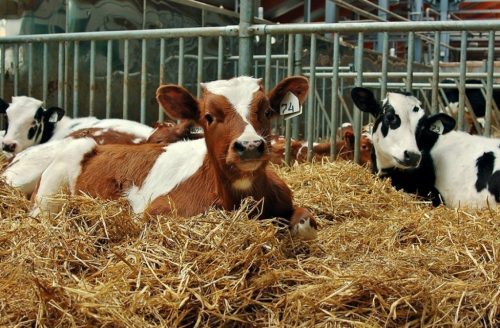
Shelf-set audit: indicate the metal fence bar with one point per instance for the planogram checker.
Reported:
(409, 63)
(310, 99)
(435, 75)
(60, 76)
(109, 62)
(180, 77)
(161, 113)
(76, 54)
(461, 81)
(335, 89)
(16, 69)
(220, 57)
(66, 75)
(359, 82)
(199, 73)
(143, 82)
(385, 60)
(489, 83)
(45, 79)
(267, 66)
(125, 78)
(30, 69)
(92, 85)
(288, 123)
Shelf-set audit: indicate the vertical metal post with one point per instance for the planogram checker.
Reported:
(125, 78)
(461, 81)
(30, 70)
(220, 57)
(288, 123)
(199, 73)
(359, 82)
(311, 98)
(45, 72)
(161, 113)
(385, 59)
(16, 69)
(417, 10)
(75, 77)
(297, 59)
(143, 81)
(66, 74)
(267, 65)
(180, 77)
(409, 62)
(335, 103)
(245, 38)
(92, 85)
(445, 37)
(435, 74)
(383, 4)
(60, 76)
(489, 83)
(109, 62)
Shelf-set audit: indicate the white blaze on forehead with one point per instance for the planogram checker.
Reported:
(239, 91)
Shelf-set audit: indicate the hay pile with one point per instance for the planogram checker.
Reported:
(382, 258)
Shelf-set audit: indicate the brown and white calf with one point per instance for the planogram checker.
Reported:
(189, 177)
(25, 169)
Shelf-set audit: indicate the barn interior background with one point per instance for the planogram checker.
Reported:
(106, 58)
(391, 261)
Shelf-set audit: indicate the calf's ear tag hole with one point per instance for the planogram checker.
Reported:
(437, 127)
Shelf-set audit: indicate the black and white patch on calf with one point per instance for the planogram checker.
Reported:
(486, 178)
(394, 128)
(28, 123)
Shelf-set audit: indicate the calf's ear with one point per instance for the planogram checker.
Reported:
(177, 102)
(365, 100)
(3, 106)
(441, 123)
(53, 114)
(298, 85)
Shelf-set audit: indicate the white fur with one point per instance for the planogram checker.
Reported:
(401, 139)
(304, 230)
(179, 162)
(239, 92)
(62, 173)
(27, 167)
(455, 155)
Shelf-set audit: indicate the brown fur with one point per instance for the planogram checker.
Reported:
(168, 132)
(105, 136)
(112, 169)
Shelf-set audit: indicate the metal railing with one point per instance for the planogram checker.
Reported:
(66, 66)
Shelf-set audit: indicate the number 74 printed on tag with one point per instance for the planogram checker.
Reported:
(290, 106)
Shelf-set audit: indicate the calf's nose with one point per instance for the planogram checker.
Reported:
(248, 150)
(9, 146)
(412, 158)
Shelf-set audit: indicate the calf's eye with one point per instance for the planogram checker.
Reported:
(209, 118)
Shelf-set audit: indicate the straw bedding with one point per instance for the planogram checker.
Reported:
(382, 258)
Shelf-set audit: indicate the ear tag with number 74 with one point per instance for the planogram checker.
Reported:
(290, 106)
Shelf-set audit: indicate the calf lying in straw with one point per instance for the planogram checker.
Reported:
(189, 177)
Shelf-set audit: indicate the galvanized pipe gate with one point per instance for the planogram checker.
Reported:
(62, 68)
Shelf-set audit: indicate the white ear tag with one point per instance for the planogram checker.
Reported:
(53, 118)
(437, 127)
(196, 130)
(290, 106)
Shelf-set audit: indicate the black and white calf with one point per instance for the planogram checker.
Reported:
(460, 169)
(30, 124)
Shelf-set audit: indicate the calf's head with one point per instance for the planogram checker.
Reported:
(396, 121)
(235, 116)
(28, 123)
